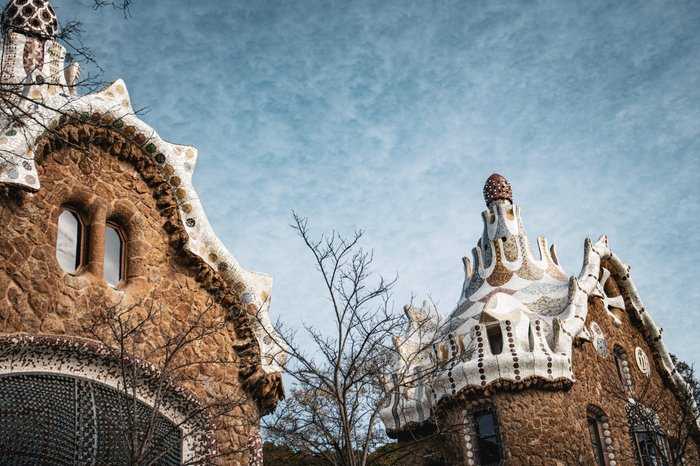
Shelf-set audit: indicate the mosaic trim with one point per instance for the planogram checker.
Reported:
(469, 436)
(88, 359)
(623, 362)
(111, 108)
(255, 449)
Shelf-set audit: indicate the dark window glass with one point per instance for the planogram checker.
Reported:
(57, 419)
(69, 242)
(488, 438)
(594, 429)
(495, 338)
(651, 448)
(115, 259)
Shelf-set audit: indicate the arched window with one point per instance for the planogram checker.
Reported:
(489, 444)
(623, 370)
(648, 440)
(70, 242)
(115, 255)
(597, 429)
(495, 335)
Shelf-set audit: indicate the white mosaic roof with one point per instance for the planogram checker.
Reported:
(528, 302)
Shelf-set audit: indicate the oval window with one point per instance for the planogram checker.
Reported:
(115, 255)
(69, 243)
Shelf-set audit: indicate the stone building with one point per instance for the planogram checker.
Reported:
(537, 368)
(102, 228)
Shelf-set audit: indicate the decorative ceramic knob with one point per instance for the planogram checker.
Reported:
(496, 188)
(30, 17)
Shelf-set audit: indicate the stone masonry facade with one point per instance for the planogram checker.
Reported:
(104, 184)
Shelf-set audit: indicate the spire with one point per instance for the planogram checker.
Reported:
(497, 188)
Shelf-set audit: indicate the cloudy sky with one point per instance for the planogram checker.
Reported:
(389, 115)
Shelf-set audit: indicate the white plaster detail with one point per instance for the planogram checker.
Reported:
(642, 361)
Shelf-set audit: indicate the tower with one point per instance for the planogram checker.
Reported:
(532, 367)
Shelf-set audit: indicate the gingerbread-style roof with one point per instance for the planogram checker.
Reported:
(530, 303)
(51, 102)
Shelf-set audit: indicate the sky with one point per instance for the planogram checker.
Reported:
(388, 116)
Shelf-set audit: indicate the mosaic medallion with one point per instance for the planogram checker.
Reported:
(642, 361)
(599, 341)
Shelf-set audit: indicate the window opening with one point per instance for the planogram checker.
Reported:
(60, 419)
(649, 441)
(495, 337)
(595, 430)
(70, 250)
(623, 371)
(650, 448)
(488, 438)
(115, 255)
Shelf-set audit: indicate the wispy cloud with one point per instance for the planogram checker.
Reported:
(390, 115)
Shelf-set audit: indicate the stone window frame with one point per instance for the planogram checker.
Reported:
(83, 242)
(95, 217)
(599, 433)
(644, 422)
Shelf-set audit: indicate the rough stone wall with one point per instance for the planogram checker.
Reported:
(549, 427)
(37, 296)
(541, 427)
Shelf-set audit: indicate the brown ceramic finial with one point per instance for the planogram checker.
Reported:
(35, 18)
(497, 187)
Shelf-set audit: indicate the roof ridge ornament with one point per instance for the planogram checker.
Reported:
(497, 188)
(31, 18)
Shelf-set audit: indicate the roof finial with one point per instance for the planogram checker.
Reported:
(34, 18)
(497, 188)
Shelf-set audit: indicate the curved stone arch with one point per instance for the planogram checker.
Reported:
(25, 354)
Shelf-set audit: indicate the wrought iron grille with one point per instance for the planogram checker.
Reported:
(63, 420)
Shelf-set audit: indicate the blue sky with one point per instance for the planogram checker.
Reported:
(390, 115)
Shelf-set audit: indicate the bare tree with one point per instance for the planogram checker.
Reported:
(333, 410)
(150, 418)
(349, 374)
(124, 331)
(662, 426)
